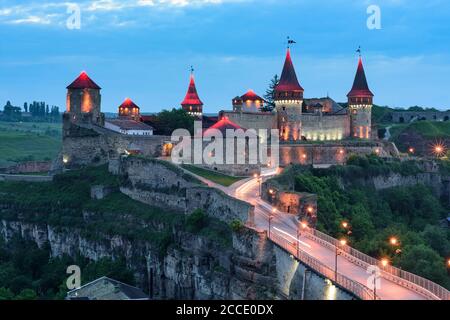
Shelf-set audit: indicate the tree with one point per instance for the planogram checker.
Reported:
(6, 294)
(27, 294)
(437, 238)
(168, 121)
(425, 262)
(270, 94)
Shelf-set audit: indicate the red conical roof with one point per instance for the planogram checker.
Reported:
(251, 95)
(360, 87)
(83, 82)
(128, 103)
(288, 80)
(222, 125)
(191, 98)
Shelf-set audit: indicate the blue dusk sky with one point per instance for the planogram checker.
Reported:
(142, 49)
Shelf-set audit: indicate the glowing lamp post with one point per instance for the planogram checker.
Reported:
(270, 221)
(341, 245)
(448, 266)
(259, 180)
(439, 149)
(346, 226)
(411, 150)
(393, 241)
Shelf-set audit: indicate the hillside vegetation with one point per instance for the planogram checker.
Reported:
(28, 141)
(62, 203)
(410, 213)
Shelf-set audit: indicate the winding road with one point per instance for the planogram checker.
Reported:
(285, 226)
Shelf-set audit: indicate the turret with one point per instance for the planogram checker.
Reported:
(192, 103)
(249, 102)
(360, 102)
(83, 103)
(288, 102)
(128, 109)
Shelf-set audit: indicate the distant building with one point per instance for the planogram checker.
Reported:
(106, 288)
(129, 121)
(130, 127)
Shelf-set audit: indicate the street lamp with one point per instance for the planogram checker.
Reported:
(259, 180)
(346, 226)
(384, 262)
(342, 244)
(448, 265)
(270, 221)
(393, 241)
(439, 149)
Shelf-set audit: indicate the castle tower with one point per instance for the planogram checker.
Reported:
(83, 103)
(192, 103)
(360, 101)
(128, 109)
(288, 102)
(249, 102)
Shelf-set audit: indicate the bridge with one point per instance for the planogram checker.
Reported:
(342, 264)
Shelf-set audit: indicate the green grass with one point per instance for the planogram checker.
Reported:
(216, 177)
(427, 129)
(28, 141)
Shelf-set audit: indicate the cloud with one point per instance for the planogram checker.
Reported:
(55, 12)
(31, 20)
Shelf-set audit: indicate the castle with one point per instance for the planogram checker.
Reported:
(90, 138)
(300, 119)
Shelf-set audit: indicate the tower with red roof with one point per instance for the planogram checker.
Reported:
(249, 102)
(83, 103)
(192, 103)
(288, 102)
(128, 109)
(360, 102)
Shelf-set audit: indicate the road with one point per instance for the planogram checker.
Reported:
(286, 226)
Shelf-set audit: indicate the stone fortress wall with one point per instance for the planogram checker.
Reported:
(408, 116)
(320, 127)
(161, 184)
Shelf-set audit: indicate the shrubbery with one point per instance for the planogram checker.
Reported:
(411, 213)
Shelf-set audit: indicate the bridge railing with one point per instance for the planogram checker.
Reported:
(406, 279)
(355, 287)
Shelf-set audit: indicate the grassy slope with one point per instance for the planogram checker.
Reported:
(28, 141)
(427, 129)
(216, 177)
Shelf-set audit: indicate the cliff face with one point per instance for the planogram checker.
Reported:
(194, 267)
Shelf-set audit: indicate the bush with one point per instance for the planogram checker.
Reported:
(196, 221)
(236, 225)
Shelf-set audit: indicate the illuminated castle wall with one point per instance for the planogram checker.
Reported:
(300, 119)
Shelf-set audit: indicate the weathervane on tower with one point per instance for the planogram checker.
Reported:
(359, 51)
(290, 42)
(191, 69)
